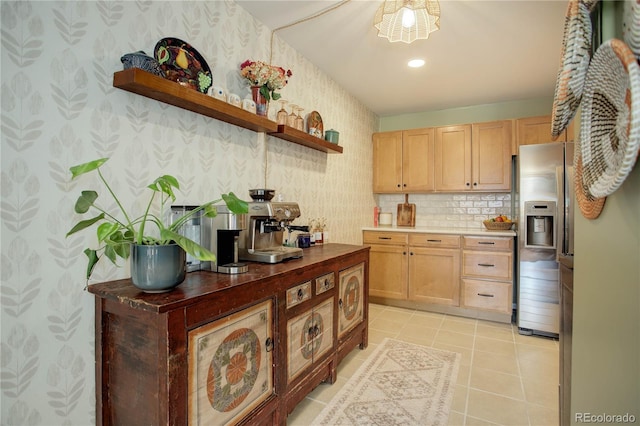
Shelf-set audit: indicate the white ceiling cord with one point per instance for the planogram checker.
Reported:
(299, 21)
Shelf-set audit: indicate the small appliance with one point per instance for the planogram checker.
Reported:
(219, 235)
(266, 222)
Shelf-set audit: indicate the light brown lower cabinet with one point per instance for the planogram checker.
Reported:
(462, 274)
(487, 273)
(418, 267)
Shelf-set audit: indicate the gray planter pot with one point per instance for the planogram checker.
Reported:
(157, 269)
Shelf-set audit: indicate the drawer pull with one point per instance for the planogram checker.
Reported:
(300, 294)
(485, 295)
(384, 238)
(434, 241)
(487, 265)
(486, 242)
(268, 344)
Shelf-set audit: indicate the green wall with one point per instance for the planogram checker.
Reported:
(606, 320)
(470, 114)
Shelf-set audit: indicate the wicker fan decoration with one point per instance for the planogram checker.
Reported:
(575, 57)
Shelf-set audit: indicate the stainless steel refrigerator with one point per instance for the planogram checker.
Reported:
(545, 232)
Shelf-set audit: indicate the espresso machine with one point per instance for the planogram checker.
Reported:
(219, 234)
(262, 239)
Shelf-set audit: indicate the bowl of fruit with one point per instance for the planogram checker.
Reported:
(498, 223)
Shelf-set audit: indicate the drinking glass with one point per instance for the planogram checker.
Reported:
(291, 119)
(300, 120)
(282, 116)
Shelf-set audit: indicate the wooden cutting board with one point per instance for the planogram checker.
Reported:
(406, 213)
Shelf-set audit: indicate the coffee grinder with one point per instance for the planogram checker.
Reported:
(218, 235)
(225, 232)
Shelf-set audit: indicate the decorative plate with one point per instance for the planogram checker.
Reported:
(314, 124)
(576, 53)
(610, 120)
(183, 64)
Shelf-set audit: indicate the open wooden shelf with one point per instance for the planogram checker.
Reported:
(143, 83)
(296, 136)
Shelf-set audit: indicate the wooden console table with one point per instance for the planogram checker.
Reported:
(224, 349)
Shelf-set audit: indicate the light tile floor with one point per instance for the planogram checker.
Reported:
(504, 378)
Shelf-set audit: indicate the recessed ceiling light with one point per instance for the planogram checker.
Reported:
(416, 63)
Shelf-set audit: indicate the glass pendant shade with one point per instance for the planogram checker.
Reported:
(407, 20)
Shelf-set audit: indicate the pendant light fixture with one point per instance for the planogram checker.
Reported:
(407, 20)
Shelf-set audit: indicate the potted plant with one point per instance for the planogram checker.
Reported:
(128, 236)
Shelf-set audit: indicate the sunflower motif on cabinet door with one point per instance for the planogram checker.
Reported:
(231, 365)
(311, 335)
(351, 298)
(233, 370)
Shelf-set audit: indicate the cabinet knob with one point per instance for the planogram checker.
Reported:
(411, 253)
(398, 185)
(340, 303)
(404, 184)
(467, 184)
(475, 183)
(268, 344)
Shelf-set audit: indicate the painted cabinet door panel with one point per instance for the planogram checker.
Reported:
(309, 336)
(230, 365)
(351, 298)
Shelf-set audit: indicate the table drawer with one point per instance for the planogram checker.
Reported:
(325, 283)
(434, 240)
(380, 237)
(487, 243)
(492, 265)
(487, 295)
(298, 294)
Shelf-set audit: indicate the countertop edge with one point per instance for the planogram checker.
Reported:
(430, 230)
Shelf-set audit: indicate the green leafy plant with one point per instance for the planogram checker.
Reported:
(115, 235)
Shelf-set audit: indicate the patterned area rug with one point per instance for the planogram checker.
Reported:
(399, 384)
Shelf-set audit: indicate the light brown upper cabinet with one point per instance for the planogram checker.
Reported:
(403, 161)
(535, 130)
(473, 157)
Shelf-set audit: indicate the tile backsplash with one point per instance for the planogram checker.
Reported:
(450, 210)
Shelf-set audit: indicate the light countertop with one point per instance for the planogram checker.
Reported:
(433, 230)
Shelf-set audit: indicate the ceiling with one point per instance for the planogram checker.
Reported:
(485, 51)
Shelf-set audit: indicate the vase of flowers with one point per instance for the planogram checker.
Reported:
(264, 80)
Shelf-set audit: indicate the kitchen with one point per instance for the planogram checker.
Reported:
(72, 114)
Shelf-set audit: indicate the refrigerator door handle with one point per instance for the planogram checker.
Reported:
(560, 212)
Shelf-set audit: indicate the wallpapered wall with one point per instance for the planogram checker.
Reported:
(59, 109)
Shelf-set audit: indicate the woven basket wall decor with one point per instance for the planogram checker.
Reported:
(631, 25)
(610, 119)
(575, 57)
(590, 207)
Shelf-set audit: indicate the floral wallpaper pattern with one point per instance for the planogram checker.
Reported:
(59, 108)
